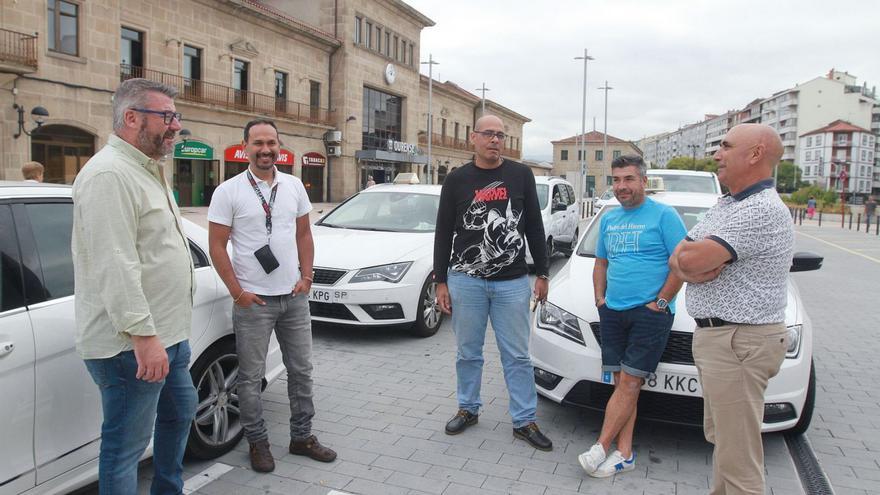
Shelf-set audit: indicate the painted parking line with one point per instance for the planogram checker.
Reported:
(208, 475)
(838, 246)
(337, 492)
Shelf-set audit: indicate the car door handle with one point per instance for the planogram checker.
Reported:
(6, 348)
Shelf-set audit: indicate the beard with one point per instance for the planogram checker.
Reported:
(154, 146)
(265, 166)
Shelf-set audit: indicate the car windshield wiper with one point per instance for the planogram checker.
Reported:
(373, 229)
(331, 225)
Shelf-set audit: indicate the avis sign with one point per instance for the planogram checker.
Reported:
(237, 154)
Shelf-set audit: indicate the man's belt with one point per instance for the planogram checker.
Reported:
(712, 322)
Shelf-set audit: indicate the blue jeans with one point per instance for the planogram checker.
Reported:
(131, 408)
(506, 303)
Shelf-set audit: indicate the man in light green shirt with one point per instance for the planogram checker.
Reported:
(134, 289)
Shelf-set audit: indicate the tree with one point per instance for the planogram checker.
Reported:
(788, 177)
(688, 163)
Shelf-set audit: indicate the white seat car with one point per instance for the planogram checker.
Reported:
(374, 260)
(50, 415)
(568, 360)
(559, 212)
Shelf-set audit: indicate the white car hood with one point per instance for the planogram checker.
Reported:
(350, 248)
(572, 290)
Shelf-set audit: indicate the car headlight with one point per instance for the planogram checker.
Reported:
(794, 341)
(388, 273)
(560, 322)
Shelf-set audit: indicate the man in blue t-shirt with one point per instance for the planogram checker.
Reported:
(634, 292)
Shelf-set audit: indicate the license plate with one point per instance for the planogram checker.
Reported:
(328, 296)
(675, 383)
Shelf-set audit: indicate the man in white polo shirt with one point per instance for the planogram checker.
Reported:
(265, 214)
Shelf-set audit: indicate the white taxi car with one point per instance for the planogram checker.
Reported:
(559, 213)
(374, 260)
(567, 358)
(50, 431)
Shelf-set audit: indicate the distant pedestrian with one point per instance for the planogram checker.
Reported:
(634, 292)
(134, 287)
(488, 209)
(736, 263)
(32, 172)
(265, 214)
(370, 181)
(811, 207)
(870, 209)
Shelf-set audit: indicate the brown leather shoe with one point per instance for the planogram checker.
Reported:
(312, 448)
(261, 457)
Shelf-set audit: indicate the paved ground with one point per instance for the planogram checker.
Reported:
(383, 397)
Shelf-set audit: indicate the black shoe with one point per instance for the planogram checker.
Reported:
(460, 421)
(530, 433)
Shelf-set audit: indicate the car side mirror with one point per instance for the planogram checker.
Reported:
(806, 262)
(558, 207)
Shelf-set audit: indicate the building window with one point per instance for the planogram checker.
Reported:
(864, 139)
(563, 155)
(240, 79)
(387, 44)
(599, 154)
(378, 39)
(132, 53)
(411, 59)
(809, 156)
(280, 91)
(467, 134)
(63, 27)
(192, 70)
(357, 30)
(403, 52)
(615, 154)
(456, 131)
(819, 140)
(369, 38)
(580, 155)
(809, 141)
(396, 50)
(382, 119)
(443, 128)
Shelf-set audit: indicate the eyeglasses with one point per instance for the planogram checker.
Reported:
(166, 116)
(491, 134)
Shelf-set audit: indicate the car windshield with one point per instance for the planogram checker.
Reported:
(688, 183)
(391, 211)
(542, 195)
(690, 214)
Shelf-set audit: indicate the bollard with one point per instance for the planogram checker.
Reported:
(820, 218)
(850, 221)
(858, 222)
(802, 217)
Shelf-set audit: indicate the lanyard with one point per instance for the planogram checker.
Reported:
(267, 207)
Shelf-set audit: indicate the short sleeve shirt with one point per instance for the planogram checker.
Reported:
(236, 205)
(755, 227)
(637, 243)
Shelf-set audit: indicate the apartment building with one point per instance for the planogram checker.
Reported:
(839, 156)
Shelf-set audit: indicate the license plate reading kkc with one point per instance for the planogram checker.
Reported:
(674, 383)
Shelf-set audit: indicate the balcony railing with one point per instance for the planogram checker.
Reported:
(459, 144)
(18, 48)
(196, 91)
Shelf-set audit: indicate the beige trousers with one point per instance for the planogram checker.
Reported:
(735, 362)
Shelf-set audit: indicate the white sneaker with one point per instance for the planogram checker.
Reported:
(615, 464)
(591, 459)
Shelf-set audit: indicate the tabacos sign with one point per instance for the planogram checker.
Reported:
(313, 159)
(237, 154)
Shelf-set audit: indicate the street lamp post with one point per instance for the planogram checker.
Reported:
(430, 63)
(582, 154)
(605, 170)
(483, 99)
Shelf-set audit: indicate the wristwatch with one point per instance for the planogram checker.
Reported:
(545, 277)
(662, 304)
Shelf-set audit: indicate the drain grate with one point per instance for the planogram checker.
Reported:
(812, 476)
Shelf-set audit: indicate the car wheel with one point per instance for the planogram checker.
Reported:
(803, 423)
(428, 315)
(216, 428)
(573, 246)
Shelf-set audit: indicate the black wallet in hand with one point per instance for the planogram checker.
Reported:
(266, 258)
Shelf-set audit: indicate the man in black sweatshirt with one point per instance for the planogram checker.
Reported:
(488, 208)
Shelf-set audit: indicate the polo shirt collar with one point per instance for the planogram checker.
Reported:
(130, 151)
(271, 183)
(753, 189)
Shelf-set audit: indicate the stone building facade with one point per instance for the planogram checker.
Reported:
(567, 159)
(341, 79)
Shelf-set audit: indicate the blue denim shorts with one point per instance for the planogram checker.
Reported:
(633, 340)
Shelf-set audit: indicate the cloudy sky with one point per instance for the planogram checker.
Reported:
(669, 62)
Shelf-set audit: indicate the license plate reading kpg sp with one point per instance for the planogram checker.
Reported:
(328, 296)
